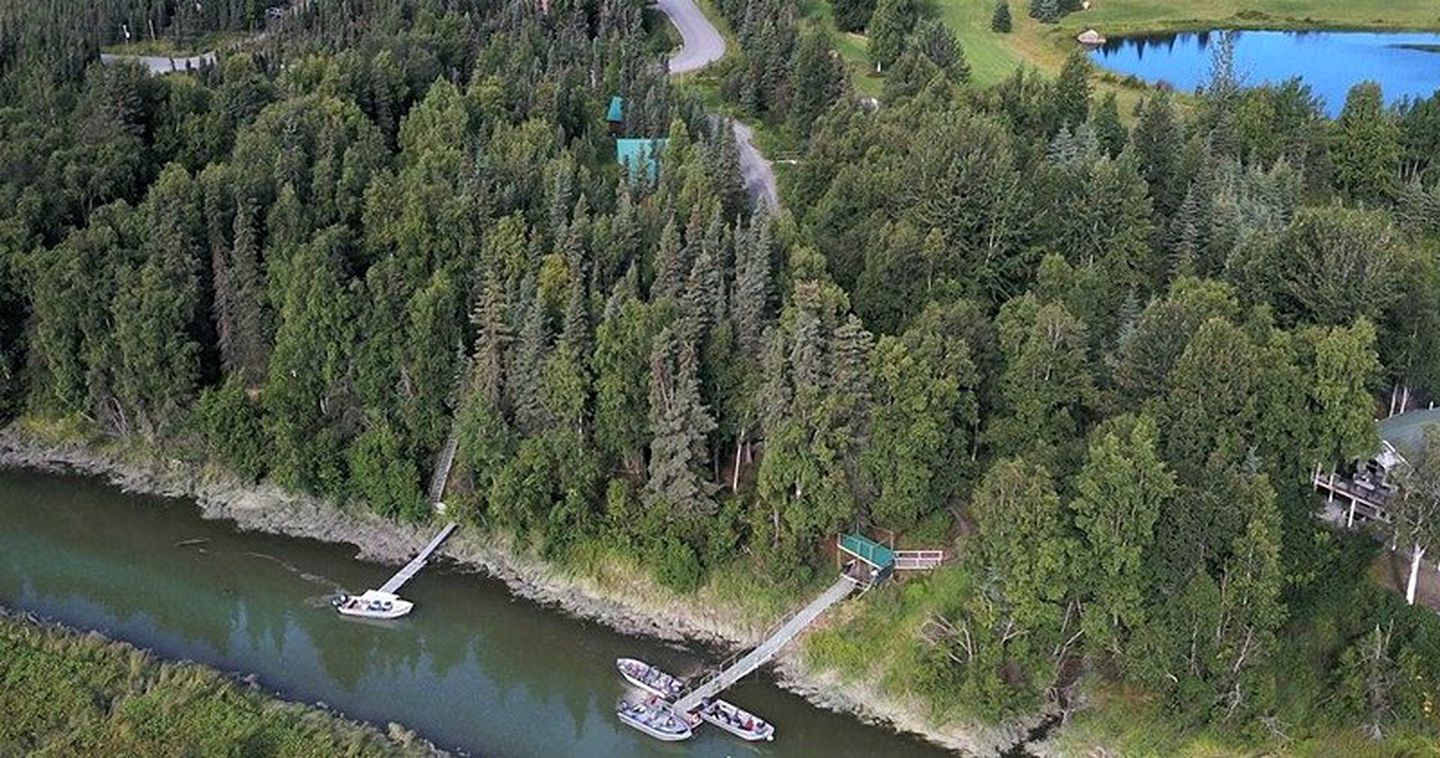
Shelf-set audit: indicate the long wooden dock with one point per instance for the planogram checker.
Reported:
(418, 562)
(767, 649)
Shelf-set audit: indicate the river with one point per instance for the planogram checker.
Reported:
(474, 668)
(1405, 64)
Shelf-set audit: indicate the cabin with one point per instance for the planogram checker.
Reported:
(1362, 491)
(640, 156)
(615, 115)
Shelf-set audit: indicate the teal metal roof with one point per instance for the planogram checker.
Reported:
(1407, 430)
(868, 550)
(616, 114)
(640, 155)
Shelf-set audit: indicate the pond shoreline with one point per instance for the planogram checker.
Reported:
(1075, 23)
(267, 508)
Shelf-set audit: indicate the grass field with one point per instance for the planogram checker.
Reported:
(994, 56)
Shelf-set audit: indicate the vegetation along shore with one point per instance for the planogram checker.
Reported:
(1087, 342)
(71, 693)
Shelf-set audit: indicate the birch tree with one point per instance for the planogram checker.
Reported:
(1415, 512)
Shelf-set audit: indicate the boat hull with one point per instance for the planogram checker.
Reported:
(763, 734)
(670, 727)
(628, 667)
(656, 733)
(373, 605)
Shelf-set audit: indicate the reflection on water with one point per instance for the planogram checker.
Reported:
(473, 668)
(1405, 64)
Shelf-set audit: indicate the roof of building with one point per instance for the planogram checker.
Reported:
(640, 154)
(867, 550)
(1406, 430)
(616, 113)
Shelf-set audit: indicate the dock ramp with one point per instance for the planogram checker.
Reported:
(768, 649)
(418, 562)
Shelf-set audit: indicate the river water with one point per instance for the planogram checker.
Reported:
(473, 668)
(1405, 64)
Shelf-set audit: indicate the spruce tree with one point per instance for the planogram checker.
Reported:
(817, 79)
(889, 28)
(1000, 20)
(1367, 147)
(1072, 91)
(157, 309)
(853, 15)
(671, 264)
(523, 374)
(679, 426)
(246, 349)
(1045, 11)
(934, 39)
(1105, 123)
(750, 306)
(1157, 145)
(622, 379)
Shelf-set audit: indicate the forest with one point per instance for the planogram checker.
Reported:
(1097, 354)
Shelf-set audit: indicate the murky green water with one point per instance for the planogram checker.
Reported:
(473, 668)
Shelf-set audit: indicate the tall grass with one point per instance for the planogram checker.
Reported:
(63, 693)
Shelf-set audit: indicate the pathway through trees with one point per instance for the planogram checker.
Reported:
(702, 45)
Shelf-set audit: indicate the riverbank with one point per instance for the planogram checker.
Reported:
(68, 692)
(619, 597)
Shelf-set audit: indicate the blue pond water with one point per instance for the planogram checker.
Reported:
(1405, 64)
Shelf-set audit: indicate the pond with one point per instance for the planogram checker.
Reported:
(474, 669)
(1405, 64)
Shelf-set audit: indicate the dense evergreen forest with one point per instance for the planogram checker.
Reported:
(1095, 353)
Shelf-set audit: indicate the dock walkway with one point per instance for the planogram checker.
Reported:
(418, 562)
(756, 658)
(441, 475)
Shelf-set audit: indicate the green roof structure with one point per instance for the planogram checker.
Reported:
(868, 550)
(616, 114)
(641, 156)
(1407, 430)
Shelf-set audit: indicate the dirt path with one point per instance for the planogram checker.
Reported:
(758, 175)
(702, 45)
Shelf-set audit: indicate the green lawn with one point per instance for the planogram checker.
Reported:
(994, 56)
(854, 48)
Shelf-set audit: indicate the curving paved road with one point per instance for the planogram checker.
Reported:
(701, 45)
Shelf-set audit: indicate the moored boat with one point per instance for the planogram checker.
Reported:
(743, 724)
(649, 678)
(374, 604)
(654, 718)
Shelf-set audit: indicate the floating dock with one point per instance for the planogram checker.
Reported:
(418, 562)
